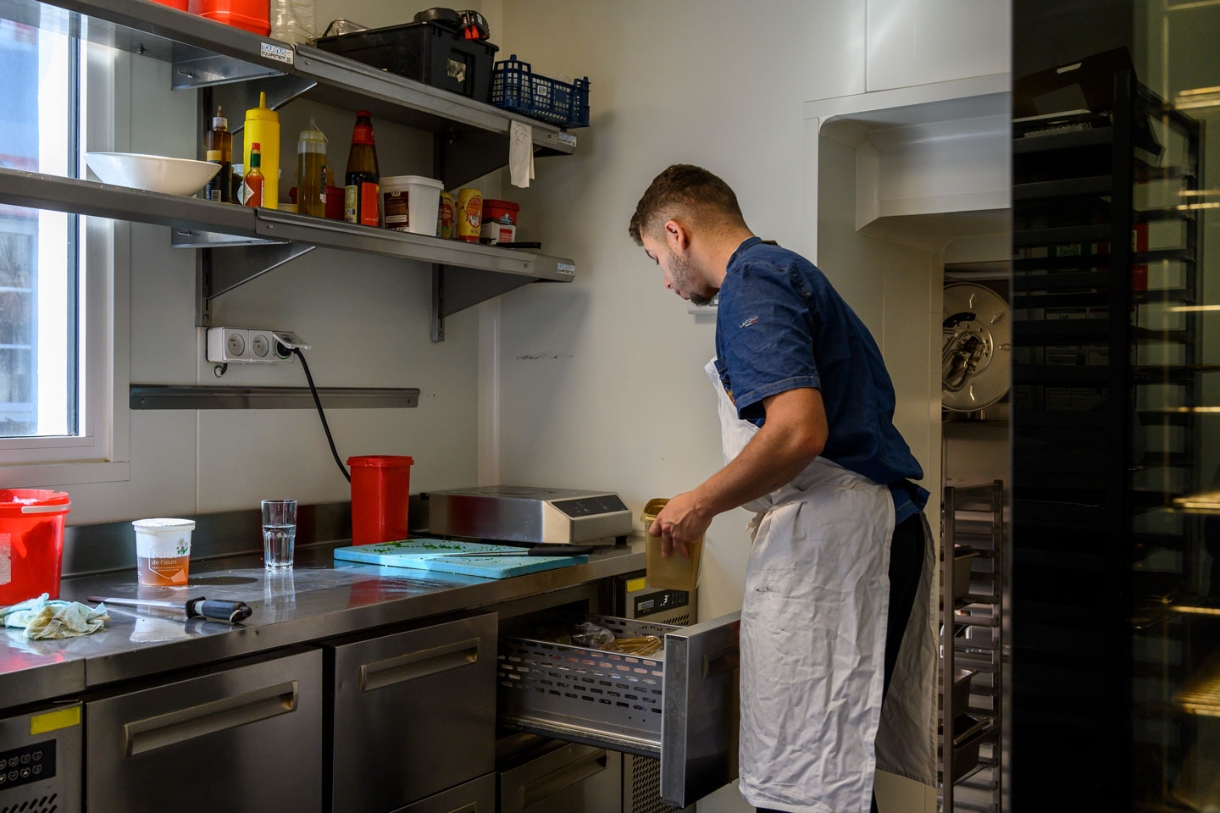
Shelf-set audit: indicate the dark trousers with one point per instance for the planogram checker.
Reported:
(906, 567)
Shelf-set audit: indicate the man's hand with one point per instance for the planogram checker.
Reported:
(681, 523)
(794, 434)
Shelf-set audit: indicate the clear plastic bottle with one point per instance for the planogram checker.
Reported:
(311, 171)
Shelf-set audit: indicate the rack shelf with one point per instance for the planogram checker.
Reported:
(972, 638)
(200, 223)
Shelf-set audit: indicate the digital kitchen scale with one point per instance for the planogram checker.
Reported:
(554, 516)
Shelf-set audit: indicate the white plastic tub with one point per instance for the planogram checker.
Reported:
(417, 214)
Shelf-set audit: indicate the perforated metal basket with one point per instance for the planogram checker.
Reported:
(567, 689)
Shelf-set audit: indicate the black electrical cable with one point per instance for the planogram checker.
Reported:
(318, 403)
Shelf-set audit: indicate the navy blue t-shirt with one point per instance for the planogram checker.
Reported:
(781, 326)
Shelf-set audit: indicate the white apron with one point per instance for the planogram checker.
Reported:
(813, 643)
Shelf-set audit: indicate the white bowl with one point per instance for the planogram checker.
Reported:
(173, 176)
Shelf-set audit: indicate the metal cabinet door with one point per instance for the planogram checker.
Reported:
(478, 796)
(586, 696)
(414, 713)
(564, 778)
(243, 739)
(699, 725)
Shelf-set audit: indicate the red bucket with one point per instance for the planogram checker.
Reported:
(31, 543)
(381, 489)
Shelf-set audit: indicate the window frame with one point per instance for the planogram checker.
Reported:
(100, 453)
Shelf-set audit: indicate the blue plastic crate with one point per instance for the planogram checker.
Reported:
(515, 86)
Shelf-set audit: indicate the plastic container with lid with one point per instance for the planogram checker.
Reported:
(500, 211)
(31, 542)
(410, 202)
(673, 572)
(251, 15)
(163, 551)
(381, 487)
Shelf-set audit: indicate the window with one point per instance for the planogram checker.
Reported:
(62, 366)
(39, 268)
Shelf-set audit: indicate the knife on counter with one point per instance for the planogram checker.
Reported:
(232, 611)
(537, 550)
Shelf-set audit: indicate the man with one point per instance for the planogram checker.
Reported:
(837, 587)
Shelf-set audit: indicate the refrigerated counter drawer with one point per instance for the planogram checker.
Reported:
(242, 738)
(413, 713)
(681, 707)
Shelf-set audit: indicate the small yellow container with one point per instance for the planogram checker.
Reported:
(469, 215)
(677, 572)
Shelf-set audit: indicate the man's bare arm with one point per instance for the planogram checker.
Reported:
(793, 435)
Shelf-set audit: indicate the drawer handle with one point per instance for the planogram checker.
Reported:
(552, 783)
(153, 733)
(415, 665)
(724, 660)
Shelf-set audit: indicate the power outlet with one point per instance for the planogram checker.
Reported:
(235, 345)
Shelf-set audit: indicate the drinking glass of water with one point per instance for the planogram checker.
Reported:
(279, 533)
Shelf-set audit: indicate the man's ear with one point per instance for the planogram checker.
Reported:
(677, 236)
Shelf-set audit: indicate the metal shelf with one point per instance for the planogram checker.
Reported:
(470, 139)
(206, 54)
(258, 240)
(202, 51)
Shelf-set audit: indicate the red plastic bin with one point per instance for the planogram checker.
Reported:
(381, 488)
(181, 5)
(31, 542)
(252, 15)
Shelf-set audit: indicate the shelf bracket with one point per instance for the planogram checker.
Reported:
(471, 286)
(235, 266)
(195, 68)
(242, 96)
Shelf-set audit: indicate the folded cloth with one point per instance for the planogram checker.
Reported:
(42, 618)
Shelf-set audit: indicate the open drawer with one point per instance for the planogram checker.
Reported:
(679, 706)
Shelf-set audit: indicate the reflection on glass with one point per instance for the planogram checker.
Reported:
(1176, 666)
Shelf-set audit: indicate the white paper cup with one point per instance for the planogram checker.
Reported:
(163, 551)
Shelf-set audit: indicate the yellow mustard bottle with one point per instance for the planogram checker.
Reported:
(263, 127)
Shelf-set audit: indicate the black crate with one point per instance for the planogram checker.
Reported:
(426, 52)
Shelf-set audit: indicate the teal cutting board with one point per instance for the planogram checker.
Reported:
(426, 554)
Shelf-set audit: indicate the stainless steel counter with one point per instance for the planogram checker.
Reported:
(319, 599)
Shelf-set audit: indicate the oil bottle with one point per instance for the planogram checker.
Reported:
(311, 172)
(219, 148)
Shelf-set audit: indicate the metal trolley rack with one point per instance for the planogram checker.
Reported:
(972, 648)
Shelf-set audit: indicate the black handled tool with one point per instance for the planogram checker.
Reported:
(232, 611)
(537, 550)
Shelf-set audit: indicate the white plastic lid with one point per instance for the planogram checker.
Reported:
(164, 525)
(397, 182)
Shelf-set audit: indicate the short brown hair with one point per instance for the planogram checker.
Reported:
(687, 190)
